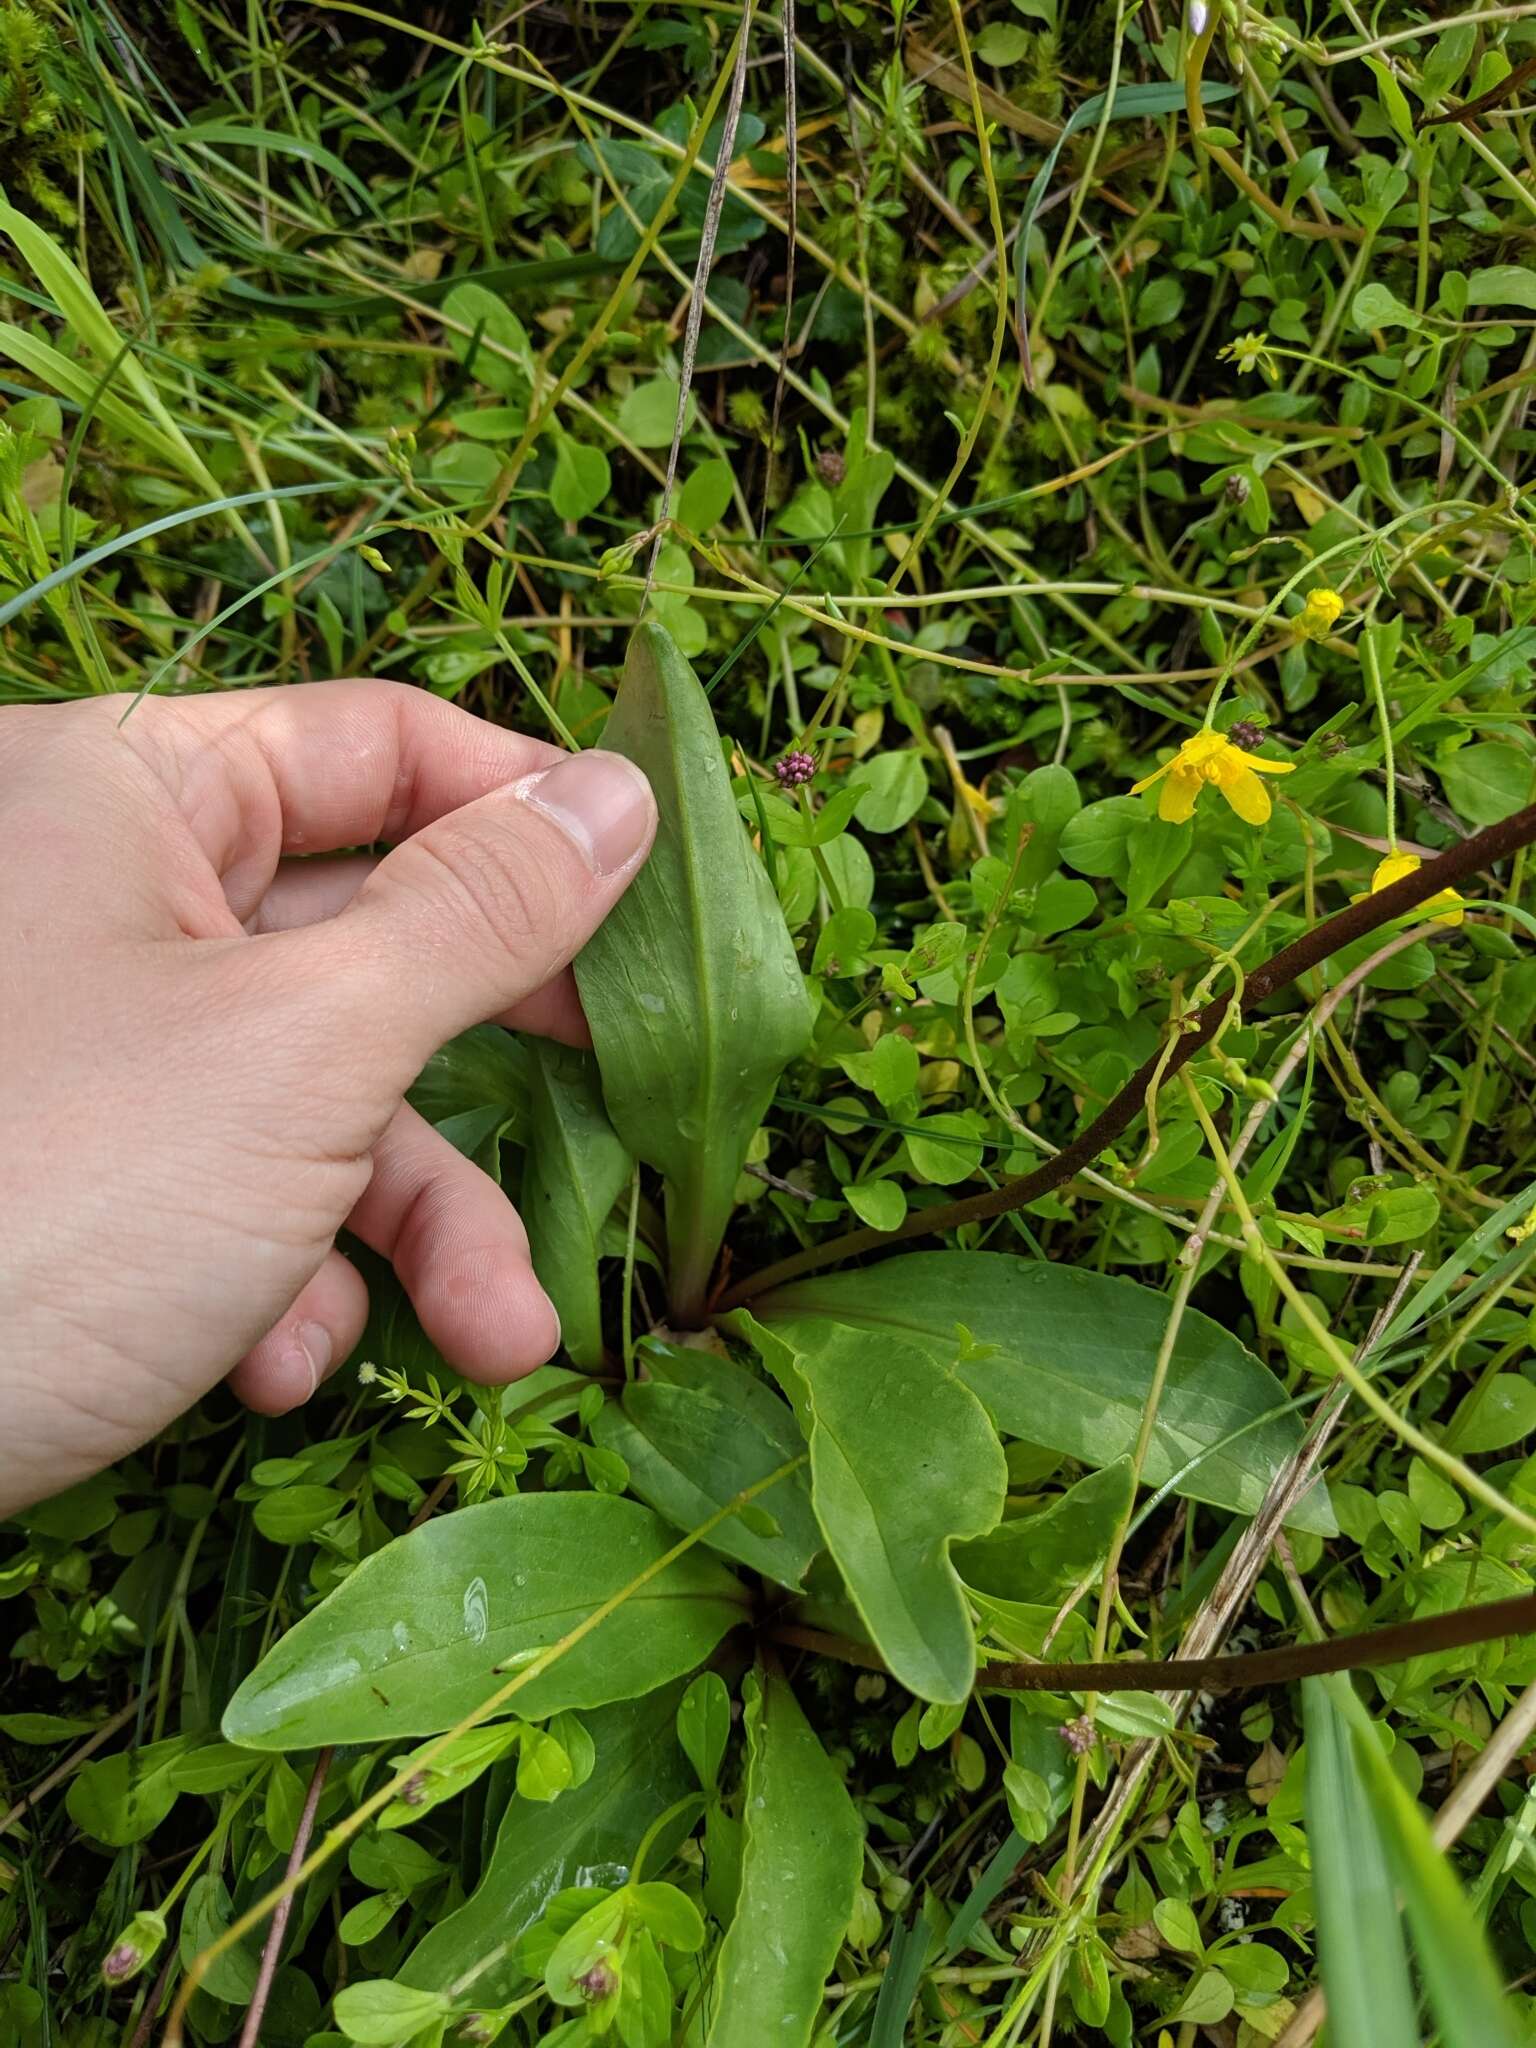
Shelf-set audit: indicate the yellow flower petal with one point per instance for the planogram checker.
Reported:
(1176, 805)
(1445, 908)
(1147, 781)
(1393, 869)
(1318, 615)
(1247, 796)
(1270, 767)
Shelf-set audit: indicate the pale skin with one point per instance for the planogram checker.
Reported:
(208, 1030)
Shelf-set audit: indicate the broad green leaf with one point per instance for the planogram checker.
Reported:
(698, 1437)
(231, 1975)
(882, 1204)
(1503, 284)
(691, 986)
(1466, 1993)
(1487, 780)
(381, 2013)
(1359, 1938)
(648, 413)
(1046, 800)
(124, 1797)
(38, 1730)
(427, 1628)
(1065, 1358)
(483, 1070)
(1002, 42)
(576, 1169)
(1043, 1556)
(493, 340)
(892, 789)
(704, 1726)
(581, 480)
(802, 1856)
(595, 1827)
(706, 496)
(903, 1463)
(1375, 306)
(1496, 1413)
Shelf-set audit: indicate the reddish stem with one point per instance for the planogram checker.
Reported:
(250, 2033)
(1471, 856)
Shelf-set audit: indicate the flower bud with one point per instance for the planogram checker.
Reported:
(599, 1982)
(133, 1948)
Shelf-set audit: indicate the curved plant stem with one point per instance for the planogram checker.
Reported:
(250, 2033)
(1278, 972)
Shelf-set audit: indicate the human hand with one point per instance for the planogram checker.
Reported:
(206, 1044)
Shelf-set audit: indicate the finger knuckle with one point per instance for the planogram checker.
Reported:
(498, 897)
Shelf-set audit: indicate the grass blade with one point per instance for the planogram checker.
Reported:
(1461, 1979)
(1359, 1936)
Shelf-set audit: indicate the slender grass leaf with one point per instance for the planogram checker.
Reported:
(1065, 1358)
(691, 986)
(1459, 1973)
(1359, 1937)
(90, 324)
(75, 382)
(431, 1625)
(909, 1947)
(903, 1463)
(588, 1836)
(1130, 102)
(239, 135)
(576, 1169)
(802, 1855)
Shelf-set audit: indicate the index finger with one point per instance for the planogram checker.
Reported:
(315, 767)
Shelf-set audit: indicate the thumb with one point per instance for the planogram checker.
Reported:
(483, 906)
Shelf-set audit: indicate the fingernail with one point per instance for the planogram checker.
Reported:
(310, 1352)
(601, 801)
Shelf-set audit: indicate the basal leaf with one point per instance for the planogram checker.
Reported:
(903, 1463)
(801, 1859)
(427, 1628)
(691, 986)
(1042, 1556)
(1065, 1358)
(589, 1835)
(483, 1070)
(696, 1438)
(576, 1168)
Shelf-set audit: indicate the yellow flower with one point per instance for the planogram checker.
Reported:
(1315, 620)
(1395, 866)
(1211, 758)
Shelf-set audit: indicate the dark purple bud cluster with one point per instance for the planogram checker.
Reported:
(1078, 1735)
(794, 770)
(1242, 732)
